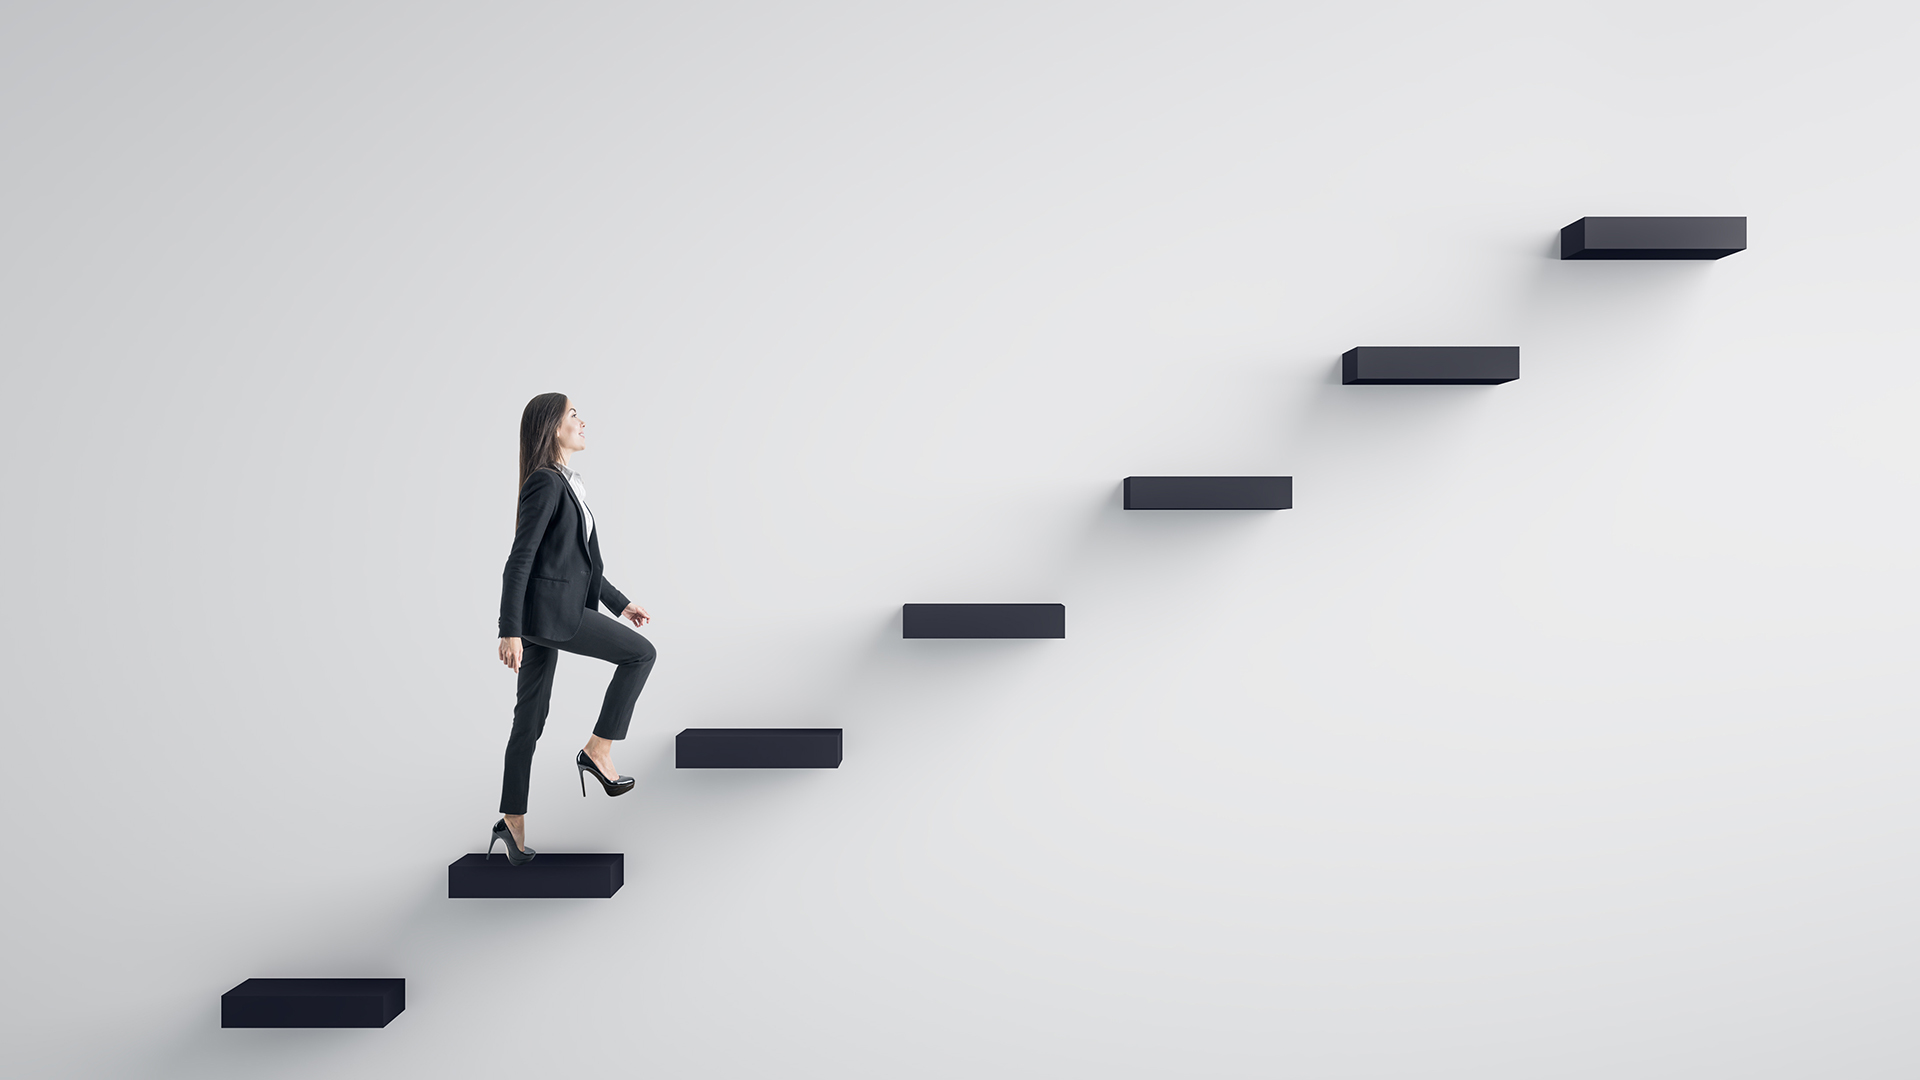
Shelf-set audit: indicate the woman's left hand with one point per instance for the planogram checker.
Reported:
(636, 615)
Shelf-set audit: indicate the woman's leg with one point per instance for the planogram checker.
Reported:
(529, 720)
(632, 656)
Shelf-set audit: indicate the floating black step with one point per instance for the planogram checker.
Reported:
(1380, 365)
(313, 1003)
(1209, 493)
(757, 748)
(983, 620)
(1653, 238)
(550, 876)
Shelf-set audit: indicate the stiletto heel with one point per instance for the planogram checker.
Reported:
(516, 855)
(619, 786)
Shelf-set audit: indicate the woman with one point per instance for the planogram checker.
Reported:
(552, 582)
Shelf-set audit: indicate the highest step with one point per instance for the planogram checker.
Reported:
(983, 620)
(1209, 493)
(757, 748)
(1473, 365)
(313, 1003)
(550, 876)
(1653, 238)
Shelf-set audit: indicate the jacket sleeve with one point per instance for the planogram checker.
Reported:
(615, 600)
(537, 500)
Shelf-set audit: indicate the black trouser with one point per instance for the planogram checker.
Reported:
(599, 637)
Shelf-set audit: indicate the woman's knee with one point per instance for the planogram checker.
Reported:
(642, 652)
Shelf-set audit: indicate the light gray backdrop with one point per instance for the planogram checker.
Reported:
(1563, 730)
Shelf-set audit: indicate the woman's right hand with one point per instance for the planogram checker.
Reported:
(510, 652)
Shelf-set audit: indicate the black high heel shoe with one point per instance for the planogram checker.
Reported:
(614, 787)
(516, 855)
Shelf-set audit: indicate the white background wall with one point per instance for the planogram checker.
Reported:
(1564, 729)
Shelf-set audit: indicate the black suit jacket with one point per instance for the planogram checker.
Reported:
(554, 574)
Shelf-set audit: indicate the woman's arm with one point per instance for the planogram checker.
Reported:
(622, 607)
(537, 501)
(615, 600)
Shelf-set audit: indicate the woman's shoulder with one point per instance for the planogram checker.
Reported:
(542, 478)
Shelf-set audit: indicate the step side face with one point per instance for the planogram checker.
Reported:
(757, 748)
(313, 1003)
(1208, 493)
(1430, 365)
(550, 876)
(983, 620)
(1653, 238)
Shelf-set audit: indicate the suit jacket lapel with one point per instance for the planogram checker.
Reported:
(579, 518)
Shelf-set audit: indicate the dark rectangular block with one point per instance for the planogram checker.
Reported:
(1209, 493)
(1474, 365)
(757, 748)
(550, 876)
(983, 620)
(1653, 238)
(313, 1003)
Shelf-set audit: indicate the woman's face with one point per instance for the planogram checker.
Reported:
(573, 431)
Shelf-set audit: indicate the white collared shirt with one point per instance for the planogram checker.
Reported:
(579, 487)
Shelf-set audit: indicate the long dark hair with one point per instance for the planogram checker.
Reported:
(540, 433)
